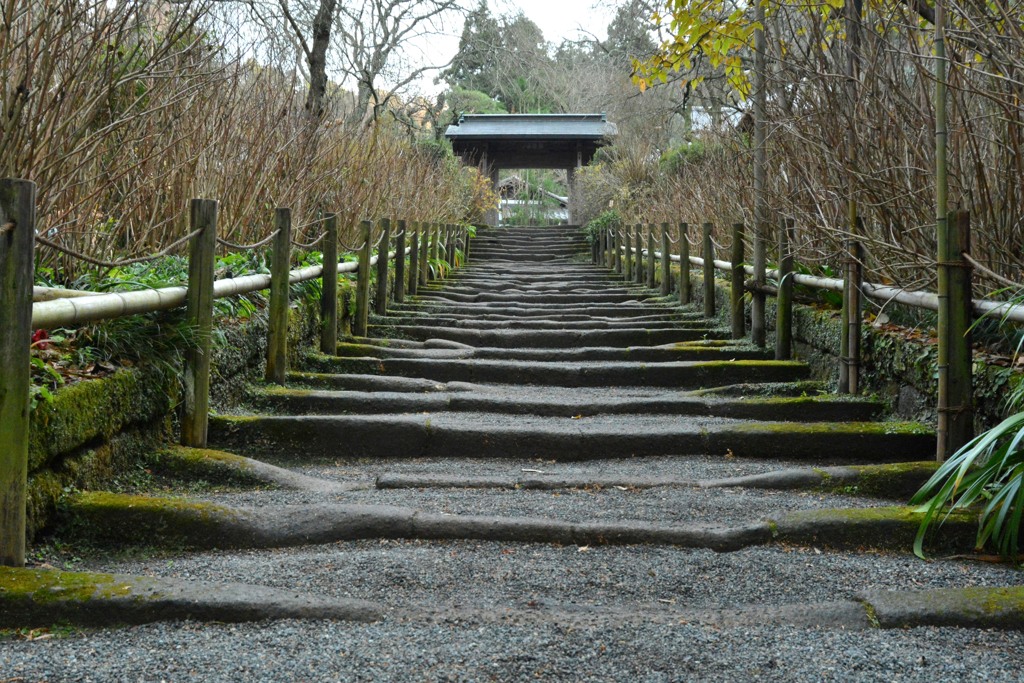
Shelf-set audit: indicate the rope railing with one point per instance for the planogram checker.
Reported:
(309, 245)
(115, 264)
(248, 247)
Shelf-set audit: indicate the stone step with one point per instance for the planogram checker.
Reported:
(488, 435)
(527, 298)
(549, 339)
(538, 324)
(638, 354)
(678, 375)
(624, 310)
(496, 399)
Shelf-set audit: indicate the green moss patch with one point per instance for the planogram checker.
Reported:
(120, 520)
(213, 466)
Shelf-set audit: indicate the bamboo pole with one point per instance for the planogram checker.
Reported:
(854, 276)
(784, 304)
(955, 409)
(414, 258)
(199, 316)
(400, 263)
(17, 240)
(736, 293)
(280, 266)
(709, 270)
(329, 288)
(650, 257)
(381, 301)
(944, 256)
(666, 261)
(757, 303)
(684, 264)
(362, 317)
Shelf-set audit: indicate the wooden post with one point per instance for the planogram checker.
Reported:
(956, 410)
(414, 258)
(638, 271)
(465, 245)
(617, 246)
(758, 319)
(666, 261)
(684, 263)
(602, 249)
(17, 241)
(709, 270)
(450, 246)
(424, 253)
(650, 257)
(381, 302)
(277, 338)
(853, 322)
(362, 318)
(627, 264)
(400, 263)
(435, 246)
(845, 361)
(199, 316)
(736, 293)
(329, 288)
(784, 303)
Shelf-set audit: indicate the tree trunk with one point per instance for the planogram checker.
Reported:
(317, 56)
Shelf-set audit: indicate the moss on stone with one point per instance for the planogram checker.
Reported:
(47, 586)
(846, 428)
(893, 480)
(219, 467)
(119, 520)
(94, 410)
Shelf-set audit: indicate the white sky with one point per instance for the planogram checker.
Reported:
(557, 19)
(561, 19)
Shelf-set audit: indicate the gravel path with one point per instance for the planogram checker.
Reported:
(470, 652)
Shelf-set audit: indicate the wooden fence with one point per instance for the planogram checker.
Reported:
(622, 250)
(20, 314)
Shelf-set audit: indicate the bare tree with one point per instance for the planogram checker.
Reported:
(377, 46)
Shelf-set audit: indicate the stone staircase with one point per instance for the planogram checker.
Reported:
(534, 470)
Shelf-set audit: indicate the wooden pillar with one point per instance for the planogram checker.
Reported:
(400, 262)
(617, 246)
(736, 293)
(854, 278)
(17, 241)
(199, 316)
(435, 246)
(424, 274)
(684, 264)
(627, 264)
(709, 270)
(381, 303)
(956, 405)
(650, 256)
(362, 317)
(280, 266)
(758, 319)
(329, 288)
(639, 270)
(784, 304)
(450, 246)
(414, 258)
(666, 261)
